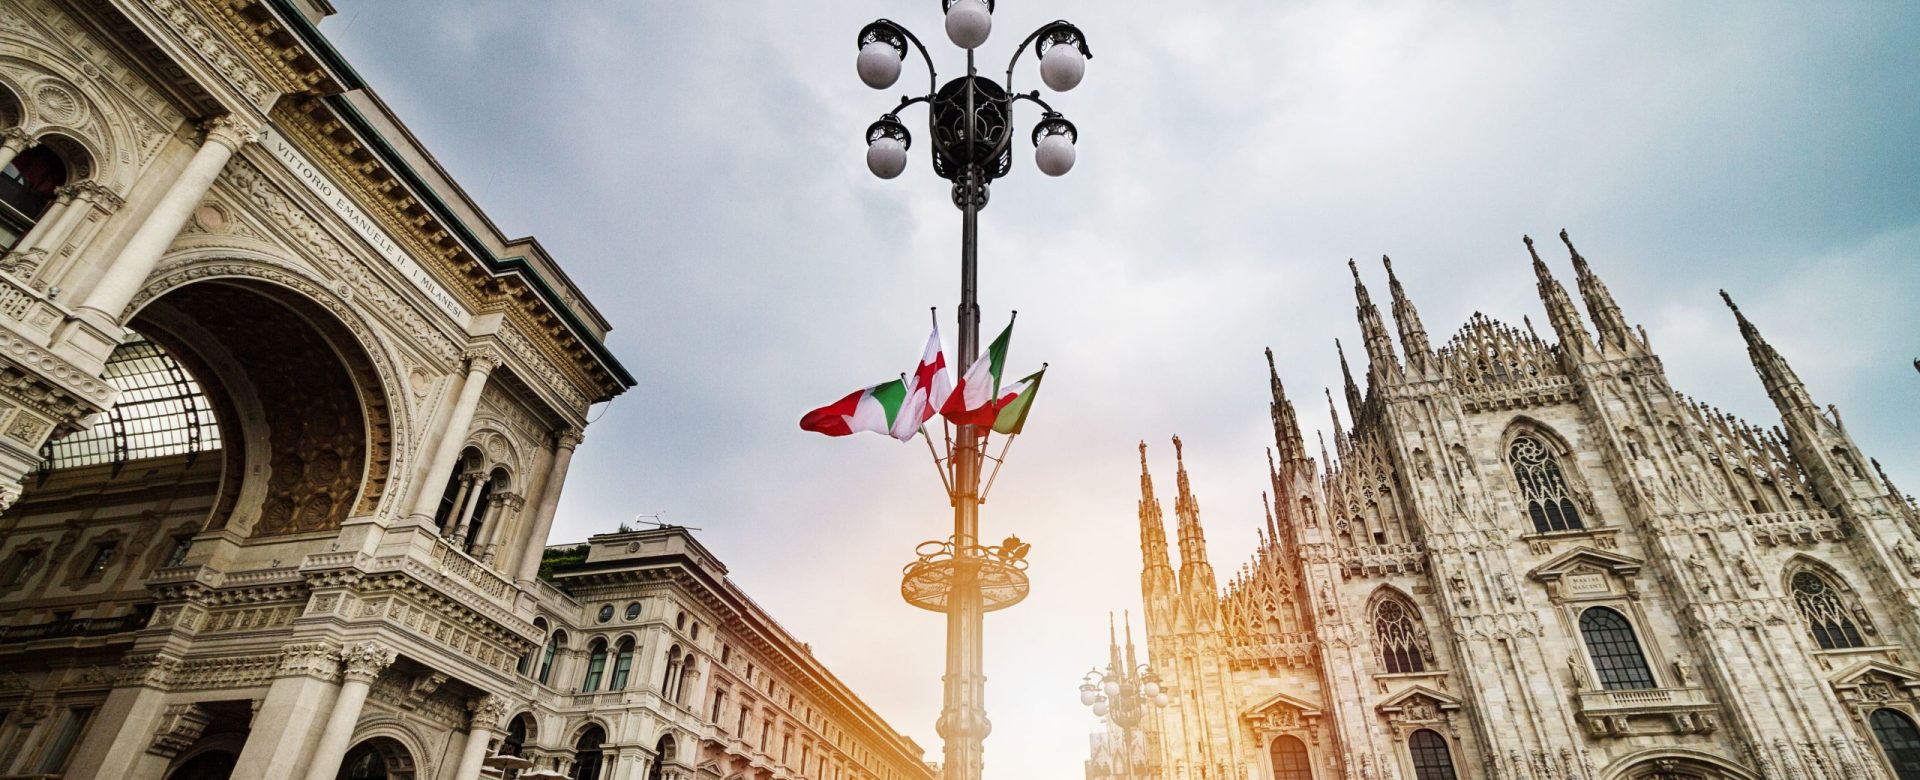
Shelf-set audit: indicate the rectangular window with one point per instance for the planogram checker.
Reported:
(19, 566)
(102, 555)
(53, 757)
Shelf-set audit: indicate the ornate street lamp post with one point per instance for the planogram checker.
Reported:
(1123, 694)
(970, 127)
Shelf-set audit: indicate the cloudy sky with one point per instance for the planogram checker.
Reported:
(697, 167)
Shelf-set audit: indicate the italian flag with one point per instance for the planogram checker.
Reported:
(873, 409)
(972, 402)
(927, 389)
(1010, 409)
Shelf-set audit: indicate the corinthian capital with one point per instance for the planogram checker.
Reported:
(228, 131)
(481, 360)
(568, 438)
(489, 711)
(15, 138)
(365, 661)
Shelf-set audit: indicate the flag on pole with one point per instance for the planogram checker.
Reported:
(927, 389)
(972, 400)
(1010, 416)
(872, 409)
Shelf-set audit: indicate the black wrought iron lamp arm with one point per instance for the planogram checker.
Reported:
(933, 77)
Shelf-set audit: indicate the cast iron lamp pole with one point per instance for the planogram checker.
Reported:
(970, 122)
(1122, 694)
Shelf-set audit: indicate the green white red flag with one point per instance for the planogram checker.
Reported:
(1010, 414)
(927, 389)
(871, 409)
(972, 400)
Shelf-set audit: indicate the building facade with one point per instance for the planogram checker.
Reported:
(1531, 558)
(284, 421)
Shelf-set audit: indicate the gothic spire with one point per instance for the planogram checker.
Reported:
(1195, 571)
(1126, 622)
(1783, 386)
(1413, 335)
(1354, 399)
(1273, 531)
(1607, 319)
(1382, 363)
(1286, 425)
(1113, 647)
(1340, 441)
(1153, 526)
(1560, 309)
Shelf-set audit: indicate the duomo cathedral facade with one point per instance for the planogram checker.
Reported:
(1526, 556)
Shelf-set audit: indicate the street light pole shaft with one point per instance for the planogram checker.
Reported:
(963, 722)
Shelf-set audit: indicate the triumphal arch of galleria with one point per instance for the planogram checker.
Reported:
(284, 420)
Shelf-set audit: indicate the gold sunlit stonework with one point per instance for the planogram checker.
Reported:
(284, 424)
(1530, 558)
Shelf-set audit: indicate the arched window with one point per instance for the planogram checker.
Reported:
(526, 661)
(622, 664)
(663, 752)
(457, 497)
(670, 680)
(1826, 609)
(586, 754)
(596, 665)
(1900, 741)
(1616, 653)
(1431, 760)
(1290, 759)
(28, 186)
(690, 669)
(1542, 485)
(1397, 637)
(516, 740)
(553, 649)
(481, 507)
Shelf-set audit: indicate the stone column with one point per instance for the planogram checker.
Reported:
(57, 213)
(130, 270)
(510, 505)
(447, 452)
(361, 664)
(123, 742)
(488, 711)
(13, 141)
(459, 504)
(536, 539)
(468, 507)
(283, 724)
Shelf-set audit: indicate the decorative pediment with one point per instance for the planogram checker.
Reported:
(1280, 713)
(1587, 571)
(1873, 682)
(1419, 704)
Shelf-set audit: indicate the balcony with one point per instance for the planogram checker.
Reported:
(1642, 711)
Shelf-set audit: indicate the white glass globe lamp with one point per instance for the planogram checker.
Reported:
(1062, 66)
(879, 64)
(1151, 689)
(1100, 708)
(968, 23)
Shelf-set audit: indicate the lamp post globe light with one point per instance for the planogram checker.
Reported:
(1123, 694)
(970, 136)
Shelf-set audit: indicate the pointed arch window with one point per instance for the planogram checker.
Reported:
(596, 666)
(1827, 610)
(1899, 740)
(622, 665)
(1290, 759)
(1398, 638)
(1617, 658)
(1543, 485)
(1431, 759)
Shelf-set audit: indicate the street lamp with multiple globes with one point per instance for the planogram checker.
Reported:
(1124, 693)
(970, 127)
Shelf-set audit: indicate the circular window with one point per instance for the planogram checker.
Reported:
(680, 621)
(606, 612)
(633, 611)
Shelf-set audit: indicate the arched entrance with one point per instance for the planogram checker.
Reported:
(248, 404)
(379, 758)
(1679, 765)
(211, 765)
(586, 754)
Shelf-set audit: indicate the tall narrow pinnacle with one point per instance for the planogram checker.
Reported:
(1193, 539)
(1286, 424)
(1153, 526)
(1354, 399)
(1126, 624)
(1783, 385)
(1113, 646)
(1340, 442)
(1273, 530)
(1607, 319)
(1413, 335)
(1382, 363)
(1560, 309)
